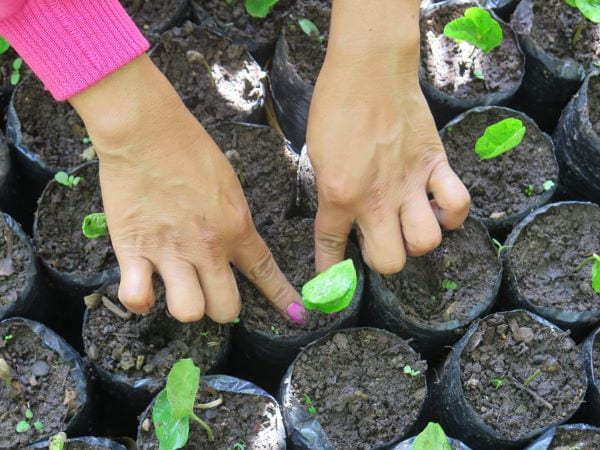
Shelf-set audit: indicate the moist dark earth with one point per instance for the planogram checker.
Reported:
(51, 129)
(250, 419)
(549, 250)
(565, 439)
(594, 103)
(307, 53)
(537, 367)
(149, 15)
(83, 446)
(357, 384)
(267, 170)
(14, 262)
(467, 257)
(147, 346)
(292, 244)
(41, 380)
(182, 55)
(499, 186)
(450, 67)
(59, 239)
(554, 26)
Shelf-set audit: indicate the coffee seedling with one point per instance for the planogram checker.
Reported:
(66, 180)
(548, 184)
(477, 27)
(57, 442)
(498, 382)
(595, 270)
(449, 285)
(410, 371)
(499, 138)
(4, 45)
(15, 75)
(260, 8)
(310, 29)
(500, 247)
(309, 404)
(240, 445)
(529, 190)
(24, 425)
(331, 291)
(432, 437)
(94, 225)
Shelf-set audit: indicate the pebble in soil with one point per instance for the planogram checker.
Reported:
(451, 67)
(246, 418)
(356, 382)
(230, 91)
(509, 184)
(146, 346)
(58, 236)
(521, 376)
(41, 382)
(572, 439)
(15, 258)
(547, 253)
(452, 280)
(594, 103)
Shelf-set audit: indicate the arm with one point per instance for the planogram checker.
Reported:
(390, 156)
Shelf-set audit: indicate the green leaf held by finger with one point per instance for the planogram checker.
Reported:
(432, 437)
(94, 225)
(260, 8)
(500, 138)
(331, 291)
(589, 8)
(477, 27)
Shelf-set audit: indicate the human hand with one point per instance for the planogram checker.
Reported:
(173, 202)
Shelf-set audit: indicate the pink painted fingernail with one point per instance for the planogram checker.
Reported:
(297, 313)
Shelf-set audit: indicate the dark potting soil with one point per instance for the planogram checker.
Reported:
(147, 346)
(51, 129)
(41, 382)
(149, 14)
(241, 418)
(466, 257)
(59, 239)
(548, 252)
(83, 446)
(14, 262)
(451, 67)
(357, 384)
(554, 27)
(596, 358)
(594, 103)
(268, 167)
(183, 53)
(292, 244)
(499, 186)
(566, 439)
(307, 53)
(539, 370)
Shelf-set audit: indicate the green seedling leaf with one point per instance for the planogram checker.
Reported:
(478, 74)
(449, 285)
(260, 8)
(500, 138)
(529, 190)
(94, 226)
(432, 437)
(22, 427)
(309, 28)
(39, 426)
(236, 320)
(241, 445)
(312, 410)
(589, 8)
(86, 140)
(477, 27)
(8, 337)
(65, 179)
(548, 184)
(4, 45)
(331, 291)
(182, 386)
(596, 274)
(28, 414)
(497, 382)
(410, 371)
(17, 63)
(58, 441)
(15, 76)
(172, 433)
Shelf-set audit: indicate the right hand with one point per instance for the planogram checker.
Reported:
(173, 202)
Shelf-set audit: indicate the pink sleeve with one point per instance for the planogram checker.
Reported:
(71, 44)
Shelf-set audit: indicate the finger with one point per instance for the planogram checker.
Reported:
(185, 298)
(255, 261)
(420, 228)
(135, 289)
(382, 243)
(221, 296)
(451, 197)
(332, 226)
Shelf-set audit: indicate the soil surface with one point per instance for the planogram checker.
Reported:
(451, 67)
(357, 385)
(466, 257)
(41, 381)
(548, 252)
(307, 53)
(51, 129)
(509, 184)
(59, 239)
(565, 439)
(596, 357)
(74, 445)
(147, 346)
(267, 170)
(539, 371)
(594, 103)
(148, 15)
(554, 27)
(15, 257)
(182, 55)
(241, 418)
(292, 244)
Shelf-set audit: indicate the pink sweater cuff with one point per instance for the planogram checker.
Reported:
(72, 44)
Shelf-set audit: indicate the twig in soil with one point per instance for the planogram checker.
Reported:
(535, 395)
(194, 57)
(578, 31)
(209, 405)
(115, 309)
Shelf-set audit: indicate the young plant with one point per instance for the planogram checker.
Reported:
(410, 371)
(4, 45)
(310, 29)
(595, 270)
(260, 8)
(500, 138)
(589, 9)
(532, 377)
(24, 425)
(240, 445)
(432, 437)
(15, 75)
(498, 382)
(500, 246)
(309, 404)
(548, 184)
(529, 190)
(57, 442)
(94, 225)
(449, 285)
(66, 180)
(477, 27)
(331, 291)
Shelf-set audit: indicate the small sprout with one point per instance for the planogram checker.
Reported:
(595, 270)
(4, 45)
(310, 29)
(432, 437)
(94, 225)
(86, 140)
(28, 414)
(331, 291)
(89, 154)
(22, 427)
(529, 190)
(240, 445)
(589, 8)
(500, 138)
(236, 161)
(410, 371)
(8, 337)
(57, 442)
(449, 285)
(548, 184)
(15, 76)
(478, 74)
(499, 246)
(195, 57)
(532, 377)
(259, 8)
(275, 329)
(309, 404)
(65, 179)
(477, 27)
(205, 333)
(39, 426)
(236, 320)
(497, 382)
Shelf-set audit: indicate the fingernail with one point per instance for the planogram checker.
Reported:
(297, 313)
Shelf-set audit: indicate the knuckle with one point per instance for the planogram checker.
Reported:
(135, 300)
(210, 241)
(424, 243)
(227, 315)
(330, 243)
(389, 266)
(264, 268)
(336, 193)
(187, 316)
